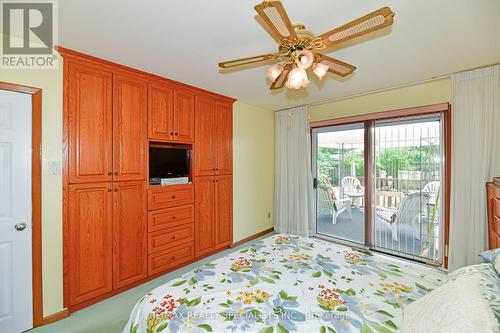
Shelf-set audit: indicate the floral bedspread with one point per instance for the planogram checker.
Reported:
(286, 284)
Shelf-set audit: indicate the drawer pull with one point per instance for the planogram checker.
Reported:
(173, 217)
(173, 237)
(173, 257)
(173, 197)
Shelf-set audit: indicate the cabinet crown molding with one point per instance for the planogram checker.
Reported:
(116, 68)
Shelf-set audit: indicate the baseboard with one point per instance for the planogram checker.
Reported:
(55, 317)
(250, 238)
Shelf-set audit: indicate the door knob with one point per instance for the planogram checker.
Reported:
(20, 226)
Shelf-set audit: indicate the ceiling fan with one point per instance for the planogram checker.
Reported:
(298, 47)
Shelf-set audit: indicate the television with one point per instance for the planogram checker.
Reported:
(169, 162)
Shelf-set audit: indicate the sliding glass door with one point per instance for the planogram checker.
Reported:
(379, 184)
(339, 182)
(407, 175)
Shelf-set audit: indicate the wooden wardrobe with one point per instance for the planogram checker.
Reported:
(118, 230)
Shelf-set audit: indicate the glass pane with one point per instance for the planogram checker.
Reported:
(407, 172)
(340, 169)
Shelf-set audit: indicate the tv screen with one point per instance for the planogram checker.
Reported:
(168, 162)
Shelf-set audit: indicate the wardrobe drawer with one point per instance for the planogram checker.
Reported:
(168, 238)
(170, 196)
(162, 261)
(169, 217)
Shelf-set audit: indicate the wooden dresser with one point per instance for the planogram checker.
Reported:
(493, 215)
(119, 231)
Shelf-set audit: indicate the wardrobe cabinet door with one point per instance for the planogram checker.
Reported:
(204, 215)
(129, 128)
(223, 211)
(204, 152)
(160, 112)
(88, 99)
(224, 139)
(88, 246)
(130, 233)
(183, 116)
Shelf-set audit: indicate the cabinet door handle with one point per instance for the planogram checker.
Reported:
(176, 133)
(110, 190)
(116, 173)
(116, 190)
(110, 173)
(171, 133)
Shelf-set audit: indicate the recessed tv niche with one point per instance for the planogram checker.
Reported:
(169, 165)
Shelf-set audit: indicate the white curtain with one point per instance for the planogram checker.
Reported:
(293, 188)
(475, 160)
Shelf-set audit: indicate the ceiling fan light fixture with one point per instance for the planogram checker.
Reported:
(320, 70)
(305, 59)
(299, 50)
(273, 72)
(297, 79)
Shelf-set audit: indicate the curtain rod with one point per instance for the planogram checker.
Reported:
(405, 85)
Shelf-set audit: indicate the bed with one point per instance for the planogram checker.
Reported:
(286, 283)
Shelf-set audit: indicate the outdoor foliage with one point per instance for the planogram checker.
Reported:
(389, 163)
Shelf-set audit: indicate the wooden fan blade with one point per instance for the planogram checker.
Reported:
(274, 14)
(374, 21)
(335, 66)
(249, 60)
(281, 79)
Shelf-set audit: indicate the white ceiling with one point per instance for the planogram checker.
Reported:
(184, 40)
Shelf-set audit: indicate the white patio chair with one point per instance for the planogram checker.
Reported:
(432, 189)
(407, 213)
(328, 200)
(351, 186)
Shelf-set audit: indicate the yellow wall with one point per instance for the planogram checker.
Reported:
(253, 170)
(253, 174)
(50, 81)
(433, 92)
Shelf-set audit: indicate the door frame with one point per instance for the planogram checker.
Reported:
(444, 108)
(36, 194)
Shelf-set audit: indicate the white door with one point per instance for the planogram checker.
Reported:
(16, 305)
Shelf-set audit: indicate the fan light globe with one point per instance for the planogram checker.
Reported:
(297, 79)
(305, 59)
(320, 70)
(273, 72)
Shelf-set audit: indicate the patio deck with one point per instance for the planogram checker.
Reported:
(353, 230)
